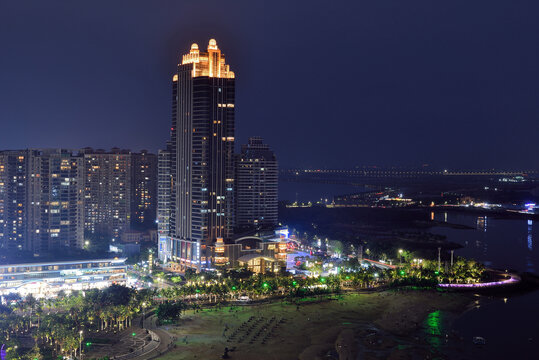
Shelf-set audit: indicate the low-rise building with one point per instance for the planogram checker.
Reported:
(259, 264)
(232, 254)
(48, 279)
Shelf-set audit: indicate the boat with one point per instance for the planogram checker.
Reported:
(478, 340)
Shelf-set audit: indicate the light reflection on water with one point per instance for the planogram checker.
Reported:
(499, 243)
(507, 325)
(530, 237)
(433, 329)
(505, 244)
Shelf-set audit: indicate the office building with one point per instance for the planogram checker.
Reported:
(256, 186)
(202, 160)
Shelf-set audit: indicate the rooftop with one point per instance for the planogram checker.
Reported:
(209, 63)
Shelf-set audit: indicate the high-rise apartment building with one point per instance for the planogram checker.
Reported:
(41, 200)
(50, 197)
(107, 192)
(56, 199)
(256, 189)
(164, 192)
(202, 159)
(143, 189)
(13, 200)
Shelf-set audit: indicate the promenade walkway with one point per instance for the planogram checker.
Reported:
(166, 340)
(135, 343)
(511, 279)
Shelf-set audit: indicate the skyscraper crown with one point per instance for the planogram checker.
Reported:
(209, 63)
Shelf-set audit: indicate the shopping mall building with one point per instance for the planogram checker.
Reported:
(47, 279)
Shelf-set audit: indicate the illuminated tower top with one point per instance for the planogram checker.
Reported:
(210, 63)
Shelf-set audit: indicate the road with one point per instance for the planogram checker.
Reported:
(379, 264)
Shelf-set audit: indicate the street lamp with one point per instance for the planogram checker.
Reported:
(439, 258)
(80, 344)
(400, 256)
(143, 313)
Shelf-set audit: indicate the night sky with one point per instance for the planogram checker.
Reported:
(326, 83)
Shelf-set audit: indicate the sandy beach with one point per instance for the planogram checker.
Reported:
(381, 325)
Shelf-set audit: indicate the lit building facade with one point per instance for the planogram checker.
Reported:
(56, 200)
(202, 159)
(13, 200)
(250, 252)
(107, 192)
(164, 193)
(144, 189)
(48, 279)
(41, 200)
(257, 181)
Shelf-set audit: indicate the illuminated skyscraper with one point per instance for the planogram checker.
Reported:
(202, 159)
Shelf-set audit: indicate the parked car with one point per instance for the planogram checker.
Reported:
(244, 298)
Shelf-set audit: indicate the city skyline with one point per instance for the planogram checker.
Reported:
(459, 95)
(208, 179)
